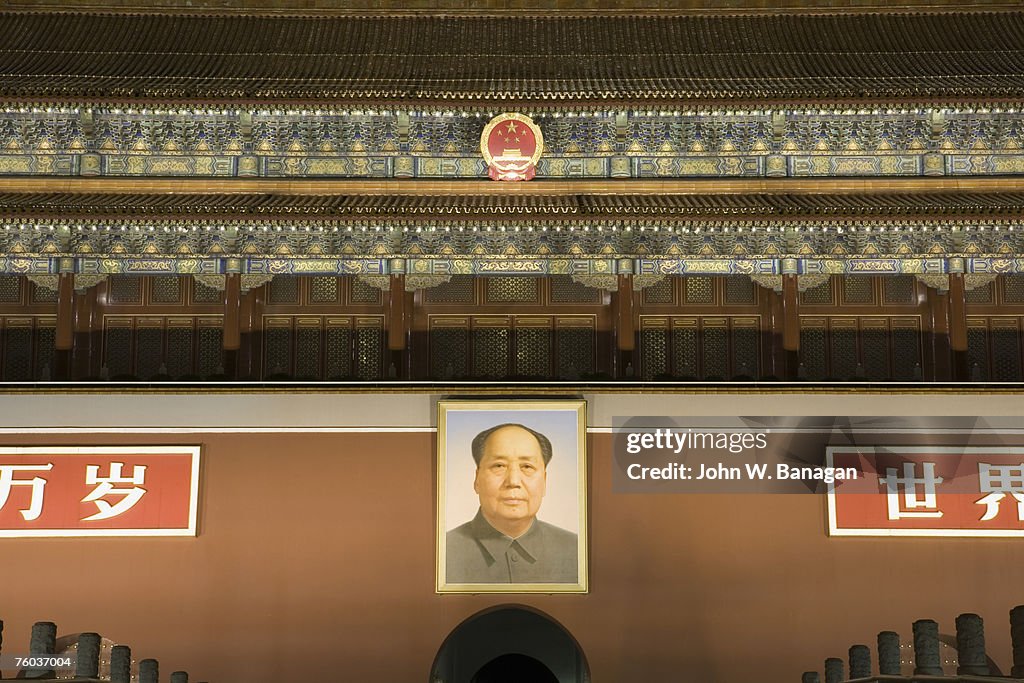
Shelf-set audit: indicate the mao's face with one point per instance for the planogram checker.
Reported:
(511, 478)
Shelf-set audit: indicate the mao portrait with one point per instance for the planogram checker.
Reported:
(511, 514)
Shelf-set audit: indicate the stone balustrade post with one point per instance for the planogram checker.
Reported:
(1017, 639)
(860, 661)
(926, 648)
(889, 653)
(970, 646)
(43, 642)
(88, 663)
(149, 671)
(121, 664)
(833, 670)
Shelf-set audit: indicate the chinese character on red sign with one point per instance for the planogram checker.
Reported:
(928, 491)
(99, 491)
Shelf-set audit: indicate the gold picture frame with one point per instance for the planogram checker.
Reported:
(512, 496)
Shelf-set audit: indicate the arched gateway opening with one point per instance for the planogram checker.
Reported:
(510, 643)
(514, 668)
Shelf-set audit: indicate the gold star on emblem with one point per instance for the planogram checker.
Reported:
(511, 127)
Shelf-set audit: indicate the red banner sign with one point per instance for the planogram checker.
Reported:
(99, 491)
(925, 491)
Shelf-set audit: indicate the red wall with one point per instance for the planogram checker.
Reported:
(316, 556)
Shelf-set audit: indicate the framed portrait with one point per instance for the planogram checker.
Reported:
(511, 496)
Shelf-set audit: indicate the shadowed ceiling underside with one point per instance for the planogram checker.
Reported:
(764, 206)
(805, 57)
(482, 6)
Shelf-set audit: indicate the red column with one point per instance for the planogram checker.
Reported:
(957, 312)
(232, 306)
(245, 358)
(232, 338)
(65, 337)
(624, 315)
(397, 318)
(773, 357)
(86, 354)
(958, 326)
(790, 314)
(938, 305)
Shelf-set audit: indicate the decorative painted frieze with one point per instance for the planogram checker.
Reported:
(697, 266)
(311, 266)
(875, 266)
(201, 142)
(511, 266)
(131, 265)
(325, 241)
(598, 272)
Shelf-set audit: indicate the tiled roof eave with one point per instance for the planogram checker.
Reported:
(483, 104)
(970, 56)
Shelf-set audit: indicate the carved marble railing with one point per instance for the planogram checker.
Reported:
(972, 662)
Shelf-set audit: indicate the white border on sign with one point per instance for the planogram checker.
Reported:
(193, 506)
(833, 524)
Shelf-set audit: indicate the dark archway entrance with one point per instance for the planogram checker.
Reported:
(510, 643)
(514, 668)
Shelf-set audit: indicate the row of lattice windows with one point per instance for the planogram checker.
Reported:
(173, 347)
(525, 347)
(719, 348)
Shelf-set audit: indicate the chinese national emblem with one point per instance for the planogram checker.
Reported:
(511, 144)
